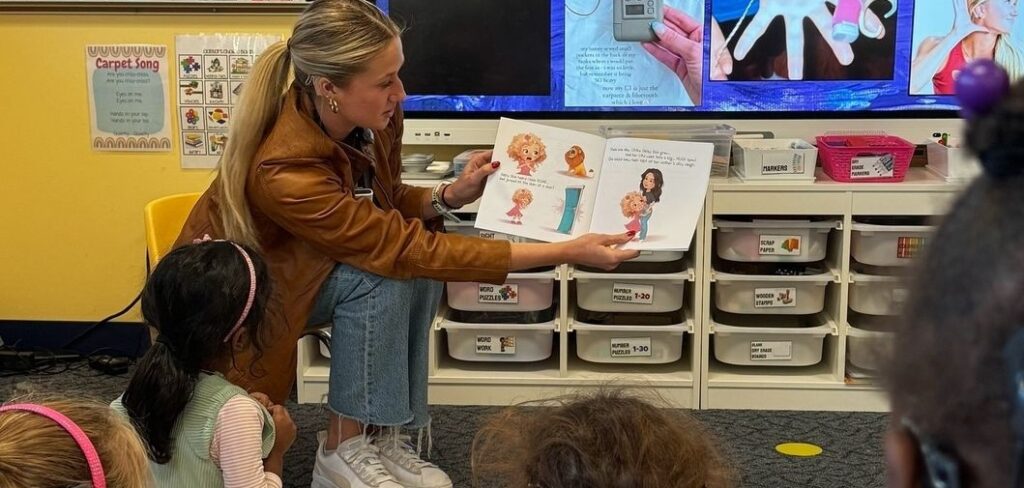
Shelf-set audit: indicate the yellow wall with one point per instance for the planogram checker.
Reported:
(71, 236)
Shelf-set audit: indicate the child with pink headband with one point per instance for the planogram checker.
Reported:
(207, 301)
(54, 441)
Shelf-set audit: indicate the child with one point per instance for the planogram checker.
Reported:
(528, 151)
(633, 205)
(521, 199)
(52, 442)
(601, 440)
(207, 302)
(954, 372)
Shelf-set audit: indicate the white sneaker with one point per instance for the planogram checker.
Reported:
(405, 465)
(356, 464)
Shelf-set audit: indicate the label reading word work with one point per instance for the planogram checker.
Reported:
(774, 297)
(872, 167)
(628, 293)
(495, 344)
(498, 294)
(771, 351)
(782, 164)
(631, 347)
(779, 246)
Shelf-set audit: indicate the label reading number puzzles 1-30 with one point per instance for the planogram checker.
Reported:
(495, 344)
(771, 351)
(507, 294)
(631, 347)
(779, 245)
(629, 293)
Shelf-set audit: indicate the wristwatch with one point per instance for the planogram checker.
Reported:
(437, 201)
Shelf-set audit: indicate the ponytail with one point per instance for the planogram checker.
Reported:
(255, 113)
(157, 394)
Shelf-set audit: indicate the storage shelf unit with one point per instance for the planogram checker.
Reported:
(697, 380)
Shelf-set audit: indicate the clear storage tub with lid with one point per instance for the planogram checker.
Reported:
(769, 341)
(772, 240)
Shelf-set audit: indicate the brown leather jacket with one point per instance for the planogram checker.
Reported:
(300, 195)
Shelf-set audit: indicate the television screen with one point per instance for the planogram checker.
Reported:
(650, 58)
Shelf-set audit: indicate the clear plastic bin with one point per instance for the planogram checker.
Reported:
(786, 342)
(888, 245)
(630, 292)
(774, 159)
(769, 240)
(952, 162)
(630, 344)
(720, 135)
(490, 342)
(771, 295)
(521, 292)
(876, 294)
(868, 342)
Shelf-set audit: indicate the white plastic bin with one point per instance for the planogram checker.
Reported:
(867, 346)
(521, 292)
(952, 162)
(630, 292)
(772, 295)
(888, 245)
(777, 241)
(657, 257)
(630, 344)
(774, 160)
(466, 228)
(745, 344)
(499, 342)
(876, 294)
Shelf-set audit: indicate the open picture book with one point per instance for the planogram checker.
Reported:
(556, 184)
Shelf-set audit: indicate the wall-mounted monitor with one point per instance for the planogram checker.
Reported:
(696, 58)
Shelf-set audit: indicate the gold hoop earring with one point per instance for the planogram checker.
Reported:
(333, 104)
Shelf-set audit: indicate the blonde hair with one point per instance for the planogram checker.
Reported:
(523, 197)
(1008, 53)
(35, 451)
(520, 141)
(598, 440)
(334, 39)
(627, 203)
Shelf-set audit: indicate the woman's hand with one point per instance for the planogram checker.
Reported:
(470, 185)
(680, 48)
(600, 250)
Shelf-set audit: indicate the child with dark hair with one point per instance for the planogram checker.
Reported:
(602, 440)
(207, 301)
(955, 371)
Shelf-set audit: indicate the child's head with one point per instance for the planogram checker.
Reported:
(528, 149)
(946, 374)
(522, 197)
(651, 182)
(207, 301)
(35, 450)
(632, 204)
(600, 440)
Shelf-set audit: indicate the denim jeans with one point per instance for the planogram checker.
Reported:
(379, 341)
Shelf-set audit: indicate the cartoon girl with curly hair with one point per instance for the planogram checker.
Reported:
(651, 182)
(633, 205)
(528, 151)
(521, 199)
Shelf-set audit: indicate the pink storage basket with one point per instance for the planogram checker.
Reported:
(866, 158)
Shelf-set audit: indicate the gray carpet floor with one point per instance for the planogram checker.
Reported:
(852, 442)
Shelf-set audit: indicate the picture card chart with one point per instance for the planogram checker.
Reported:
(212, 71)
(128, 104)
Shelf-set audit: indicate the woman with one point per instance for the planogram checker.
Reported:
(287, 181)
(981, 30)
(651, 182)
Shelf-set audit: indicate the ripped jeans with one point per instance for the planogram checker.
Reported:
(379, 345)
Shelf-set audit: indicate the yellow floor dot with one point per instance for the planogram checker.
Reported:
(798, 449)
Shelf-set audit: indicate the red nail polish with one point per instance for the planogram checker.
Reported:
(631, 233)
(495, 164)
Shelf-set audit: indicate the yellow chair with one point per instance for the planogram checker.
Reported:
(164, 219)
